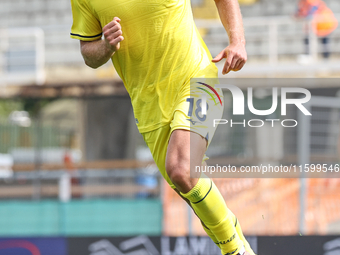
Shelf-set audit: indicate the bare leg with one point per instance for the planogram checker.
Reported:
(185, 151)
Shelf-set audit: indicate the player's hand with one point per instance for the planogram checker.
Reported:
(235, 55)
(113, 34)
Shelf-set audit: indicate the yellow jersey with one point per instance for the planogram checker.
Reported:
(161, 51)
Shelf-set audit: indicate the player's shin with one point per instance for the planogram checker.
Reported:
(211, 235)
(241, 236)
(238, 230)
(210, 207)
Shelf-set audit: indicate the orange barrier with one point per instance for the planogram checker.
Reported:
(263, 206)
(92, 165)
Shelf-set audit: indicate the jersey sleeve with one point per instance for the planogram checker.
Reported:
(86, 26)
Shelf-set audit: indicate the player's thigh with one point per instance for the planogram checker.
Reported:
(157, 141)
(186, 150)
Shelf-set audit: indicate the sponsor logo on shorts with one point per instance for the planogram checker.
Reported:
(193, 121)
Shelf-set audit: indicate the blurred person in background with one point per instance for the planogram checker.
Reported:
(156, 49)
(322, 19)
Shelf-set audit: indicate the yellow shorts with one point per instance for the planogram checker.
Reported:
(188, 116)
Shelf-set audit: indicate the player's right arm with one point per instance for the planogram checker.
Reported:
(97, 53)
(87, 28)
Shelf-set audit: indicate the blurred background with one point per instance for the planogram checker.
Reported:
(77, 178)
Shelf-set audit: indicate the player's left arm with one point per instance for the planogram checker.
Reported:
(235, 54)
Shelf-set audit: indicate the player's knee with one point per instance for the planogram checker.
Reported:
(178, 172)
